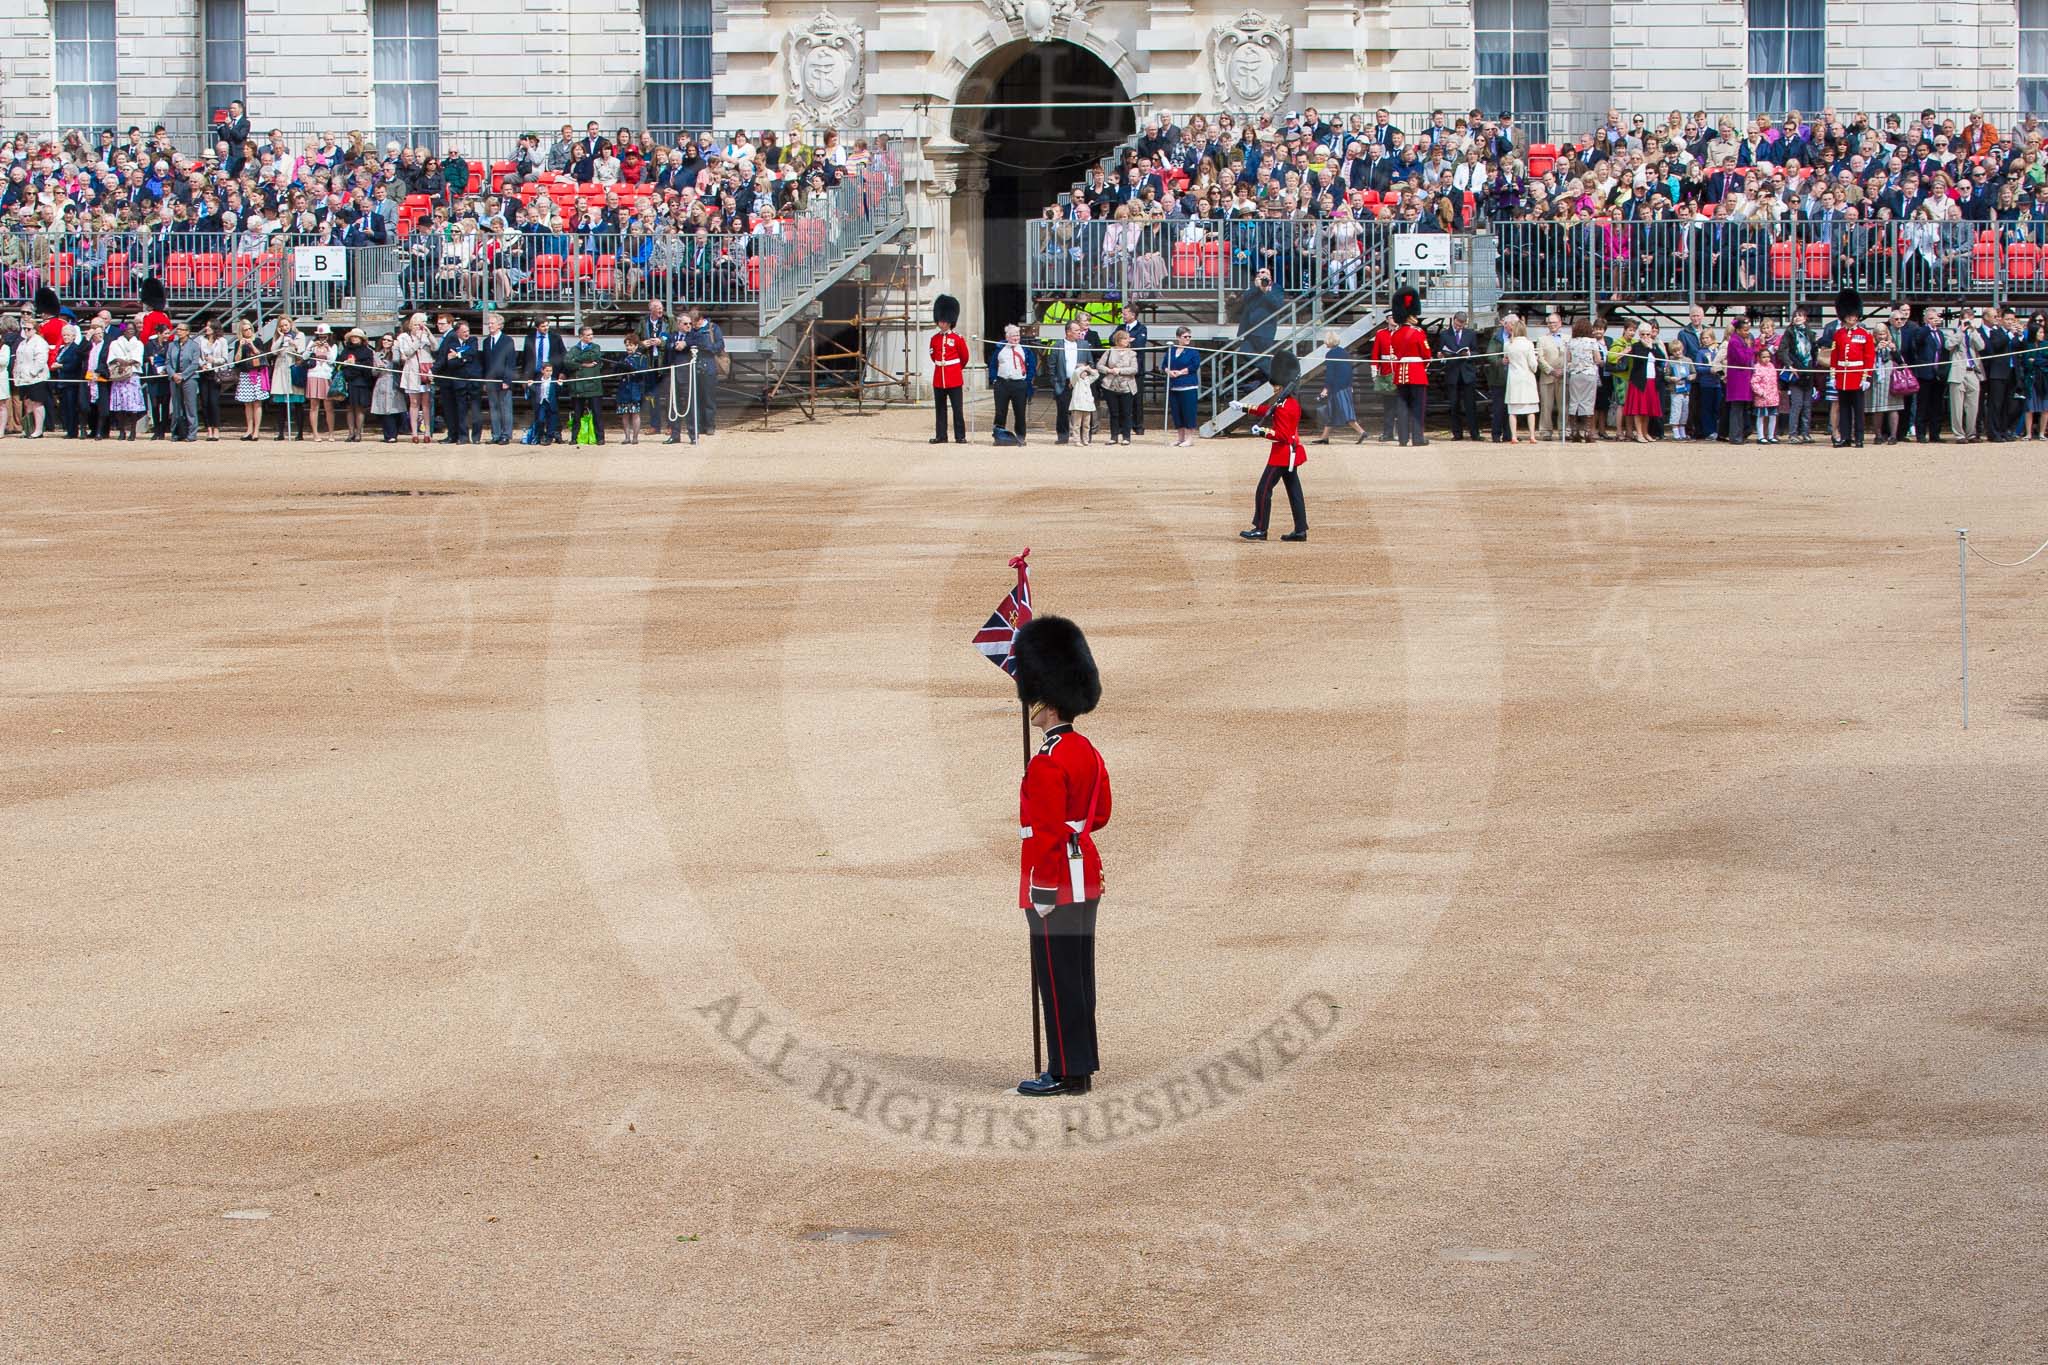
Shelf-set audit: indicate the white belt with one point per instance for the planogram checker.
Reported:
(1078, 826)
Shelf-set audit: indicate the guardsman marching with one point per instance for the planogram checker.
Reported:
(1065, 799)
(1281, 421)
(1409, 348)
(1852, 360)
(949, 370)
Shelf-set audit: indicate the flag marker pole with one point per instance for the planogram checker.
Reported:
(1037, 1031)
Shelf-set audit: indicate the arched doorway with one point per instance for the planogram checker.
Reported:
(1057, 110)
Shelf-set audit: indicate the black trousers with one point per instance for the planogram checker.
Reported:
(1062, 399)
(1123, 410)
(1262, 503)
(68, 396)
(1464, 409)
(1010, 399)
(1933, 409)
(954, 399)
(1996, 421)
(1849, 406)
(455, 411)
(1501, 430)
(1063, 965)
(1414, 400)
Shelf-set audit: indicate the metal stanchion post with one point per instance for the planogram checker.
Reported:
(1963, 585)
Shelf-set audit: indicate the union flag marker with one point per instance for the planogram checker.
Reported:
(995, 638)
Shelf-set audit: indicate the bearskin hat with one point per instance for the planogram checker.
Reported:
(1848, 304)
(153, 294)
(1407, 307)
(1054, 667)
(946, 310)
(47, 302)
(1286, 370)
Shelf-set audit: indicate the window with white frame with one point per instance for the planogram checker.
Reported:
(226, 72)
(678, 72)
(1511, 58)
(1788, 56)
(2033, 56)
(405, 41)
(83, 31)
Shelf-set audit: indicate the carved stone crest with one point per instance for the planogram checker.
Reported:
(1252, 63)
(827, 68)
(1041, 20)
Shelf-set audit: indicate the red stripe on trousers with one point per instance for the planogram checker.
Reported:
(1052, 986)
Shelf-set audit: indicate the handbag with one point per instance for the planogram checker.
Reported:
(723, 365)
(586, 430)
(1904, 381)
(298, 373)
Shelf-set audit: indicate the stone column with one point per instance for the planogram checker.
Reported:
(955, 189)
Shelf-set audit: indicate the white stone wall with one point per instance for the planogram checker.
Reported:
(518, 63)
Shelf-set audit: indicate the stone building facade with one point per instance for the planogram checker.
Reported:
(921, 68)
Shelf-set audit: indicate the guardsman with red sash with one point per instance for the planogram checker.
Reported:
(1065, 800)
(1383, 366)
(949, 370)
(1852, 360)
(1409, 347)
(1280, 420)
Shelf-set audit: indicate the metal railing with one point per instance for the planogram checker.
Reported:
(1189, 260)
(1780, 263)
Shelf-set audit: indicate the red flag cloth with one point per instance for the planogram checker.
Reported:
(995, 638)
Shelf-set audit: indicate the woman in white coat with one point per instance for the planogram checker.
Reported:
(1521, 391)
(31, 379)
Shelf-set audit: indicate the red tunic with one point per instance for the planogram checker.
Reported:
(949, 360)
(1410, 349)
(1288, 452)
(1065, 798)
(52, 331)
(1383, 352)
(152, 323)
(1854, 355)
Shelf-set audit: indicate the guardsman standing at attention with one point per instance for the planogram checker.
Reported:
(1281, 421)
(1410, 346)
(949, 370)
(1065, 800)
(1854, 356)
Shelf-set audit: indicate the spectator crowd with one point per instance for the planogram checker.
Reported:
(624, 213)
(1632, 206)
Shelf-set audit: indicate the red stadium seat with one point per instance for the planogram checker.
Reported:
(476, 177)
(1984, 257)
(1783, 257)
(206, 269)
(754, 273)
(61, 265)
(270, 269)
(418, 202)
(547, 271)
(178, 271)
(1212, 259)
(2022, 260)
(606, 278)
(241, 270)
(1187, 260)
(501, 171)
(116, 273)
(1816, 260)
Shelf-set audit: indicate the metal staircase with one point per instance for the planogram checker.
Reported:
(1297, 324)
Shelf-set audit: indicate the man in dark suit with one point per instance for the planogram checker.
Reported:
(1068, 354)
(543, 347)
(499, 355)
(1457, 346)
(1920, 346)
(234, 131)
(457, 369)
(1996, 422)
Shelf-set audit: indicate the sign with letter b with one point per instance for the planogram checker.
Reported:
(320, 264)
